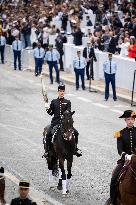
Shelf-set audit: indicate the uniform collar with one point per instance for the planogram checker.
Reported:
(61, 98)
(130, 128)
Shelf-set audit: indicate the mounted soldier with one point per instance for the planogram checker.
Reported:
(57, 108)
(126, 144)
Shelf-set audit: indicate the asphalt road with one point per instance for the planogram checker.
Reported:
(22, 119)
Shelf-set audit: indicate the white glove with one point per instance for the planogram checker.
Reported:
(47, 106)
(128, 157)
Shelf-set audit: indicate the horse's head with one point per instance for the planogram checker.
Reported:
(67, 120)
(67, 124)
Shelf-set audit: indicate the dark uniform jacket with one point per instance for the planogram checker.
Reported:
(126, 141)
(91, 53)
(18, 201)
(57, 108)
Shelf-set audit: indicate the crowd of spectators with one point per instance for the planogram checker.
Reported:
(114, 29)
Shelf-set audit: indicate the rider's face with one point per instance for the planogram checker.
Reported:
(61, 93)
(23, 193)
(130, 121)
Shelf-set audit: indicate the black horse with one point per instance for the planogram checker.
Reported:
(63, 148)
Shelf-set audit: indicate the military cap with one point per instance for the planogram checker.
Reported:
(61, 86)
(24, 184)
(128, 113)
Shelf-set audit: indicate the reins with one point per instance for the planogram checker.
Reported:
(133, 171)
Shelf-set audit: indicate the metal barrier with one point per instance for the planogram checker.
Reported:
(133, 88)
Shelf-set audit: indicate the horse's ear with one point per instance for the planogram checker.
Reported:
(72, 113)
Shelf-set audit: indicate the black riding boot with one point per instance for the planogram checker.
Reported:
(47, 145)
(78, 152)
(112, 192)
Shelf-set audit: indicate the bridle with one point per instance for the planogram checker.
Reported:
(133, 170)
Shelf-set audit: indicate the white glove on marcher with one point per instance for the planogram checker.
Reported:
(47, 106)
(128, 157)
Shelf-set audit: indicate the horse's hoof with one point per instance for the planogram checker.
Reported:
(67, 192)
(52, 188)
(64, 195)
(59, 187)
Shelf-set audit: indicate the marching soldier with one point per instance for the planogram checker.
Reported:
(23, 194)
(57, 108)
(79, 64)
(126, 143)
(2, 46)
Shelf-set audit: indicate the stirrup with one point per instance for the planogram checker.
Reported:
(45, 155)
(78, 152)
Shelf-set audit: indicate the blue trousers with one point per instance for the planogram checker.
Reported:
(81, 73)
(17, 55)
(2, 48)
(38, 65)
(55, 65)
(110, 78)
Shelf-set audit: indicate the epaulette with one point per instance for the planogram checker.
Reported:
(117, 134)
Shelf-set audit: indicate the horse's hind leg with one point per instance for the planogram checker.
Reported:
(59, 187)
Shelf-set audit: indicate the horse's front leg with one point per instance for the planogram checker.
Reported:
(69, 175)
(61, 166)
(50, 176)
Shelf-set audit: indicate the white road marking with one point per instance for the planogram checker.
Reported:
(17, 127)
(120, 105)
(117, 111)
(84, 99)
(18, 159)
(36, 196)
(100, 105)
(24, 138)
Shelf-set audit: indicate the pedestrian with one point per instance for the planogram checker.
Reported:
(38, 54)
(59, 46)
(2, 47)
(79, 64)
(17, 48)
(110, 68)
(89, 55)
(126, 143)
(52, 57)
(23, 194)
